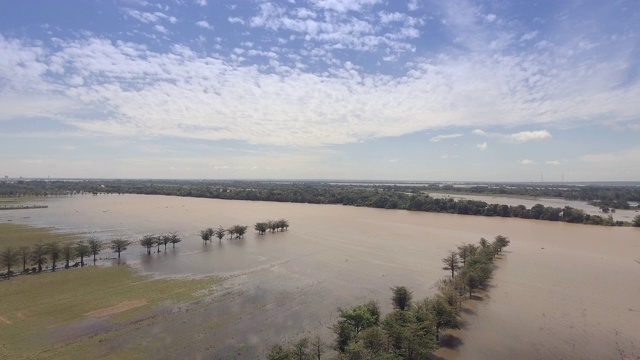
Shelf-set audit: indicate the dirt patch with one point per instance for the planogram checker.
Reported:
(4, 320)
(123, 306)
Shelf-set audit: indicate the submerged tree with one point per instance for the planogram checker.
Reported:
(240, 230)
(206, 234)
(68, 251)
(401, 297)
(219, 233)
(502, 242)
(451, 262)
(148, 241)
(95, 246)
(445, 316)
(82, 250)
(261, 227)
(119, 245)
(174, 239)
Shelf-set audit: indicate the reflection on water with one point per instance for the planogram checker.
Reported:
(562, 291)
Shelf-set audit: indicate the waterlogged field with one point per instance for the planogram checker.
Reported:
(561, 291)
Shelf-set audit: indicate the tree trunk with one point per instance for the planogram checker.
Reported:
(118, 255)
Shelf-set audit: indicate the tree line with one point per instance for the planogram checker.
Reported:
(34, 258)
(404, 197)
(412, 330)
(41, 254)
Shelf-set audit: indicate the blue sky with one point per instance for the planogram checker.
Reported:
(321, 89)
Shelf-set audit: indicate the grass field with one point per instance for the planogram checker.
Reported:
(16, 235)
(35, 309)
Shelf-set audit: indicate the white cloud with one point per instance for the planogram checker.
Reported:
(518, 137)
(491, 17)
(344, 5)
(482, 146)
(553, 162)
(236, 20)
(204, 24)
(528, 36)
(527, 162)
(525, 136)
(445, 137)
(200, 2)
(162, 29)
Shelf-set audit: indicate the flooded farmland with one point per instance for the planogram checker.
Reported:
(562, 291)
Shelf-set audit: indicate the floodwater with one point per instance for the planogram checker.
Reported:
(561, 291)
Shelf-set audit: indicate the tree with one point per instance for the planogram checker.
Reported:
(95, 246)
(301, 349)
(9, 257)
(278, 352)
(445, 316)
(483, 243)
(220, 231)
(231, 231)
(451, 262)
(240, 230)
(68, 251)
(502, 242)
(164, 240)
(472, 280)
(148, 241)
(401, 297)
(206, 234)
(463, 252)
(174, 239)
(24, 254)
(352, 322)
(53, 249)
(39, 255)
(636, 221)
(317, 347)
(261, 227)
(82, 250)
(119, 245)
(282, 224)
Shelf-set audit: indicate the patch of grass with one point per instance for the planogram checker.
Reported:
(37, 304)
(17, 235)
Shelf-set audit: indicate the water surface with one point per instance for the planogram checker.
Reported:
(561, 290)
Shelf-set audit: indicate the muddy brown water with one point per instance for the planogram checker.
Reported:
(561, 291)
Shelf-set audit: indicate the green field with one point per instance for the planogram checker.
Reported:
(35, 309)
(16, 235)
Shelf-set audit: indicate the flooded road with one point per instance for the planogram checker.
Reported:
(562, 290)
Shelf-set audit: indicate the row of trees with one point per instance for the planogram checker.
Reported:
(617, 196)
(41, 254)
(412, 329)
(271, 225)
(149, 241)
(388, 196)
(236, 231)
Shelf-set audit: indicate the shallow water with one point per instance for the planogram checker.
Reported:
(561, 290)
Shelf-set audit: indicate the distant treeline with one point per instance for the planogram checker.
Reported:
(414, 198)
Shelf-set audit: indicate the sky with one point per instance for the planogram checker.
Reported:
(416, 90)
